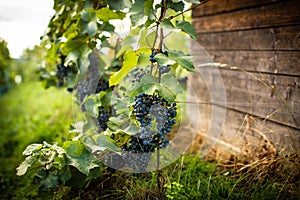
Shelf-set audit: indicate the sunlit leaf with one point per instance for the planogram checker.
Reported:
(105, 14)
(130, 61)
(162, 59)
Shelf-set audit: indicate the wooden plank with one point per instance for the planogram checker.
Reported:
(240, 129)
(248, 95)
(214, 7)
(283, 38)
(281, 14)
(276, 62)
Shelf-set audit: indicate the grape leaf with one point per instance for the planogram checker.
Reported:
(32, 148)
(91, 28)
(50, 181)
(90, 144)
(170, 81)
(79, 157)
(166, 93)
(22, 169)
(74, 148)
(177, 6)
(104, 140)
(166, 23)
(130, 61)
(186, 27)
(83, 163)
(105, 14)
(119, 4)
(143, 60)
(162, 59)
(185, 61)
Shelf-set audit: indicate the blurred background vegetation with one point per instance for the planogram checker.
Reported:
(29, 113)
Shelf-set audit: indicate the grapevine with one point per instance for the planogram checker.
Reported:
(132, 123)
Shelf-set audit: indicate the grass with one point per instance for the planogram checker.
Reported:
(29, 114)
(188, 178)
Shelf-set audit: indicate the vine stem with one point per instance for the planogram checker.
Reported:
(161, 18)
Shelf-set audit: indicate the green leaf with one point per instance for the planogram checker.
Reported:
(105, 14)
(166, 93)
(72, 45)
(138, 19)
(72, 58)
(71, 32)
(91, 28)
(28, 162)
(32, 148)
(185, 61)
(74, 148)
(107, 27)
(104, 140)
(147, 82)
(90, 143)
(123, 50)
(50, 181)
(143, 60)
(170, 81)
(140, 12)
(91, 106)
(130, 61)
(122, 105)
(71, 80)
(186, 27)
(132, 129)
(119, 4)
(177, 6)
(162, 59)
(84, 163)
(86, 16)
(166, 23)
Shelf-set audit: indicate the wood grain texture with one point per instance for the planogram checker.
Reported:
(281, 38)
(275, 62)
(276, 99)
(280, 14)
(214, 7)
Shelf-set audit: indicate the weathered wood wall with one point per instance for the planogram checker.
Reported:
(258, 43)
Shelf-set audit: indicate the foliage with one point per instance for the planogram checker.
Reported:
(30, 114)
(29, 64)
(78, 38)
(5, 61)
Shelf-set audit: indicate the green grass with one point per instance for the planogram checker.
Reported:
(30, 114)
(187, 178)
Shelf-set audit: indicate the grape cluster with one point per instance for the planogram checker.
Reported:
(148, 108)
(153, 54)
(136, 155)
(102, 85)
(156, 118)
(137, 74)
(164, 69)
(62, 71)
(103, 117)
